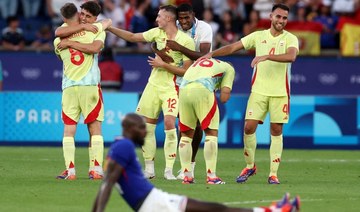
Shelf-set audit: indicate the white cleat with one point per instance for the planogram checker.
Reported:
(168, 175)
(149, 175)
(180, 175)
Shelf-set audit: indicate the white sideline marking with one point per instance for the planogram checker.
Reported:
(292, 160)
(270, 201)
(322, 160)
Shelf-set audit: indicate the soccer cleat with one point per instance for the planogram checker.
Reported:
(188, 180)
(281, 203)
(168, 175)
(214, 181)
(180, 175)
(245, 174)
(94, 175)
(295, 203)
(284, 205)
(149, 175)
(273, 180)
(66, 176)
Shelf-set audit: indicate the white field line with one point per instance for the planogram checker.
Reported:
(292, 160)
(270, 201)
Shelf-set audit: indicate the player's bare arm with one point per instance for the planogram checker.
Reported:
(158, 62)
(88, 48)
(288, 57)
(228, 49)
(66, 31)
(194, 55)
(113, 173)
(225, 50)
(225, 94)
(161, 53)
(126, 35)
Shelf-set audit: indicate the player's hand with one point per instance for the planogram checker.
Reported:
(155, 62)
(206, 56)
(173, 45)
(90, 27)
(64, 43)
(106, 23)
(258, 59)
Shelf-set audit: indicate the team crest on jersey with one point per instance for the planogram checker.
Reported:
(264, 41)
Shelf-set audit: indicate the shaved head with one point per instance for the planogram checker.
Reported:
(134, 128)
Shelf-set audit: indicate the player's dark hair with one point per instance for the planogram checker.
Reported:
(171, 9)
(68, 10)
(130, 120)
(92, 7)
(281, 6)
(11, 19)
(184, 8)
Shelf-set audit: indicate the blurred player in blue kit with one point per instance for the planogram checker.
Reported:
(124, 171)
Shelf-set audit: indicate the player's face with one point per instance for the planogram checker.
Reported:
(139, 133)
(279, 19)
(86, 17)
(186, 20)
(161, 19)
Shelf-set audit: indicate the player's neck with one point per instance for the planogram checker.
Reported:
(275, 33)
(171, 32)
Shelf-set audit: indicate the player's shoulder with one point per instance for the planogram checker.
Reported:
(203, 24)
(184, 36)
(122, 143)
(289, 34)
(203, 27)
(155, 32)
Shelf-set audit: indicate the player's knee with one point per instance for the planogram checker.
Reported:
(276, 129)
(169, 124)
(248, 130)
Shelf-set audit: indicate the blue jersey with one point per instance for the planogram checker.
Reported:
(133, 186)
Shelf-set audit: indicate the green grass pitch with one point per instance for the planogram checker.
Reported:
(325, 180)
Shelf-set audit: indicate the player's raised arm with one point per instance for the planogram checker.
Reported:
(106, 23)
(126, 35)
(194, 55)
(89, 48)
(65, 31)
(228, 49)
(113, 173)
(161, 53)
(158, 62)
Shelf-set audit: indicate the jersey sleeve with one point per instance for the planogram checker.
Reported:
(121, 153)
(207, 36)
(293, 42)
(151, 34)
(56, 42)
(190, 44)
(249, 40)
(101, 35)
(228, 78)
(99, 26)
